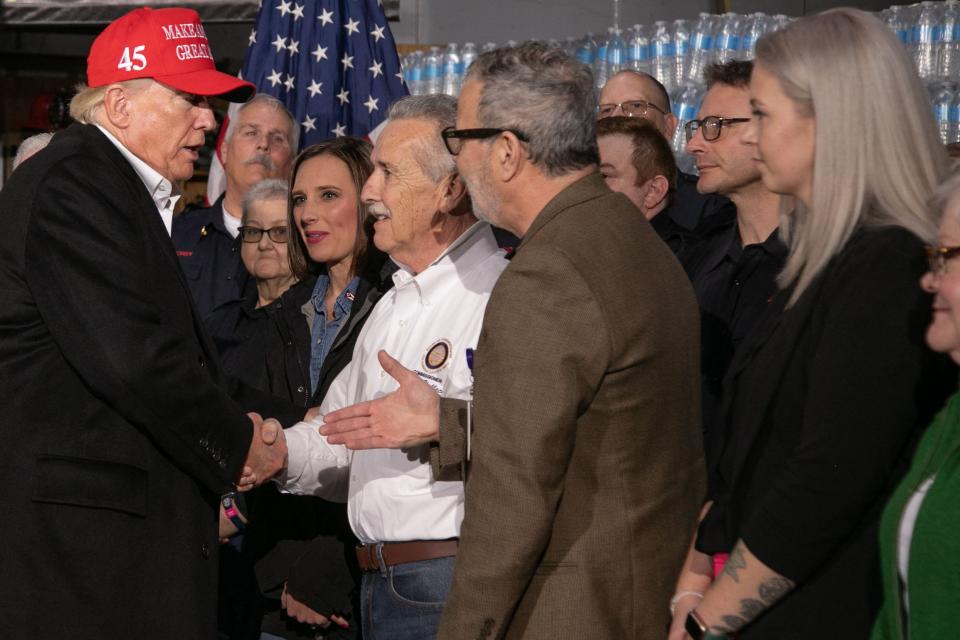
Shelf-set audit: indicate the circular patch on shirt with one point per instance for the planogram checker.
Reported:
(437, 355)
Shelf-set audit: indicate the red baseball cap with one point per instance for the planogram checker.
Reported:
(168, 45)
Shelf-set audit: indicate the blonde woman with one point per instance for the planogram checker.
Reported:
(824, 402)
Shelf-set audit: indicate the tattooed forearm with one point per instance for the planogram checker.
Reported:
(735, 562)
(774, 589)
(767, 593)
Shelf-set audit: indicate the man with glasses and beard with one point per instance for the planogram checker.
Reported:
(260, 143)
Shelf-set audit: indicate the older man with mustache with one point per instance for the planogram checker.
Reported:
(260, 143)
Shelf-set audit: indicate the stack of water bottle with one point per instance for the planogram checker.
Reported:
(439, 71)
(931, 32)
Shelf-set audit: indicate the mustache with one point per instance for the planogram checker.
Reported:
(264, 160)
(377, 209)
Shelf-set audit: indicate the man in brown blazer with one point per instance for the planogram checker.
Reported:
(586, 470)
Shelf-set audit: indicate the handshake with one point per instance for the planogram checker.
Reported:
(268, 453)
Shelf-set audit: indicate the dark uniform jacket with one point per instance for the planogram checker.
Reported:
(210, 258)
(117, 436)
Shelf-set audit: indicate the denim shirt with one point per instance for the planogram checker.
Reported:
(324, 331)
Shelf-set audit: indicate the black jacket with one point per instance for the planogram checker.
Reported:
(118, 435)
(210, 258)
(822, 404)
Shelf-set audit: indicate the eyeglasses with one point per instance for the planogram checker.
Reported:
(453, 138)
(711, 126)
(630, 108)
(938, 256)
(253, 234)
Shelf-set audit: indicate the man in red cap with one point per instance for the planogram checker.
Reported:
(118, 436)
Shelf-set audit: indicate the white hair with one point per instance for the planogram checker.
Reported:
(30, 146)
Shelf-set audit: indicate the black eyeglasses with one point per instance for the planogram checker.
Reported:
(711, 126)
(938, 256)
(629, 108)
(453, 138)
(253, 234)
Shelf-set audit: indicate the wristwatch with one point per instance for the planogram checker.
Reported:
(232, 503)
(696, 628)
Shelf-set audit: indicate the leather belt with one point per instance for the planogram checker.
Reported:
(380, 555)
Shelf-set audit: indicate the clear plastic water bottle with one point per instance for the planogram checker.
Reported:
(686, 103)
(570, 46)
(467, 56)
(662, 54)
(488, 46)
(895, 18)
(600, 74)
(681, 49)
(780, 21)
(451, 70)
(638, 49)
(728, 40)
(923, 41)
(949, 60)
(616, 53)
(943, 99)
(756, 27)
(414, 66)
(587, 50)
(954, 117)
(701, 48)
(433, 71)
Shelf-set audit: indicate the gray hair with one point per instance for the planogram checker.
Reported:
(545, 94)
(877, 153)
(85, 105)
(263, 98)
(441, 110)
(263, 191)
(30, 146)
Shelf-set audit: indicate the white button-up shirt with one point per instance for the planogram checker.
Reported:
(161, 190)
(427, 322)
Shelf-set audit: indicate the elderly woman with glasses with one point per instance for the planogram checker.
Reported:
(237, 328)
(919, 544)
(825, 400)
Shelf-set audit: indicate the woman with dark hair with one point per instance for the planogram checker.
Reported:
(303, 546)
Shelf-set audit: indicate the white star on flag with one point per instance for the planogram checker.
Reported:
(283, 8)
(294, 47)
(339, 130)
(297, 12)
(253, 37)
(314, 88)
(325, 18)
(320, 53)
(289, 82)
(399, 75)
(280, 43)
(376, 69)
(371, 104)
(344, 96)
(347, 62)
(274, 78)
(377, 33)
(351, 26)
(309, 124)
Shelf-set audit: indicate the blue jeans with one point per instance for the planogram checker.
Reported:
(406, 603)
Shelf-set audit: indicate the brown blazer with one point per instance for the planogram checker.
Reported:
(587, 467)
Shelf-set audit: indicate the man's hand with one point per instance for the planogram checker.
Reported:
(268, 453)
(409, 416)
(305, 614)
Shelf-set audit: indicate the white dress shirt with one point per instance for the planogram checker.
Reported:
(160, 189)
(427, 322)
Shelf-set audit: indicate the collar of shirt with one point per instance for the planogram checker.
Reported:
(468, 250)
(771, 246)
(341, 305)
(230, 223)
(162, 191)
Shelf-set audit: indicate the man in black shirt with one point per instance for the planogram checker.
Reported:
(636, 161)
(734, 268)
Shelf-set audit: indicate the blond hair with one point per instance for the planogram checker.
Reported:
(878, 157)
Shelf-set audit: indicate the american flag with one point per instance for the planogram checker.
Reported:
(332, 62)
